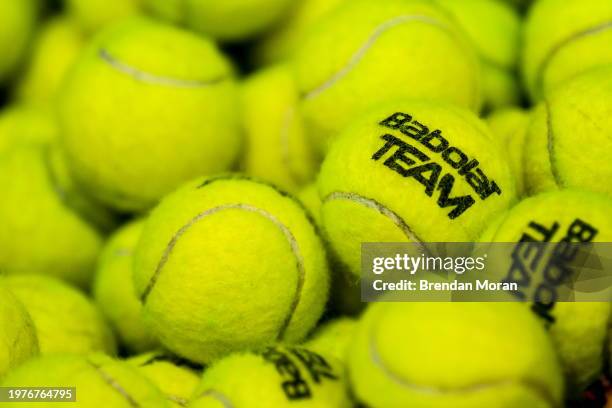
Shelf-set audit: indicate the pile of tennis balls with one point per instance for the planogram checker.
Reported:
(186, 184)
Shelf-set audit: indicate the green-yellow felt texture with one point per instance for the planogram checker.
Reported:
(17, 23)
(174, 377)
(570, 137)
(227, 264)
(97, 379)
(511, 125)
(227, 20)
(564, 38)
(365, 53)
(114, 293)
(18, 340)
(94, 15)
(277, 377)
(47, 226)
(66, 321)
(55, 48)
(146, 107)
(455, 355)
(277, 147)
(413, 171)
(26, 125)
(579, 329)
(494, 29)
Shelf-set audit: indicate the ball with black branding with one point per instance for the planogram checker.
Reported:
(277, 377)
(412, 171)
(579, 329)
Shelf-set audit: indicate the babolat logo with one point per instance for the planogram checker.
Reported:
(421, 161)
(529, 259)
(296, 384)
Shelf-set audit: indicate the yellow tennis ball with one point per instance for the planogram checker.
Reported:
(333, 338)
(494, 29)
(27, 125)
(453, 355)
(94, 15)
(66, 321)
(98, 381)
(114, 292)
(511, 125)
(280, 42)
(277, 147)
(17, 334)
(55, 49)
(277, 377)
(578, 329)
(365, 53)
(309, 197)
(47, 225)
(229, 238)
(229, 20)
(17, 21)
(564, 38)
(176, 378)
(557, 155)
(413, 171)
(177, 118)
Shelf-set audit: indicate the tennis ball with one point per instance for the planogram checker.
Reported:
(114, 293)
(65, 319)
(415, 171)
(176, 378)
(494, 29)
(55, 49)
(277, 149)
(18, 341)
(26, 125)
(564, 38)
(279, 43)
(229, 20)
(333, 338)
(179, 108)
(453, 355)
(277, 377)
(511, 125)
(309, 197)
(365, 53)
(227, 264)
(97, 379)
(17, 21)
(94, 15)
(47, 225)
(578, 329)
(557, 156)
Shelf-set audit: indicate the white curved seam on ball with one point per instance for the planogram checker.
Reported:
(114, 384)
(178, 400)
(246, 207)
(147, 77)
(217, 396)
(537, 388)
(550, 146)
(361, 52)
(552, 53)
(387, 212)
